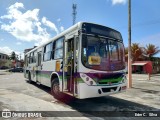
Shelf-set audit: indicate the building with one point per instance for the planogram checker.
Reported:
(142, 67)
(5, 61)
(29, 49)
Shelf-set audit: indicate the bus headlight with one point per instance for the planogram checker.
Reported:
(124, 79)
(87, 79)
(91, 82)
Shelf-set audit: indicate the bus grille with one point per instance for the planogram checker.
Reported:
(106, 78)
(108, 82)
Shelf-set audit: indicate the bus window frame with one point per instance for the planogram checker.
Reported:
(54, 45)
(44, 51)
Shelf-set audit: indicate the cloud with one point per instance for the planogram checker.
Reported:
(18, 43)
(5, 50)
(8, 51)
(13, 11)
(62, 28)
(49, 24)
(27, 26)
(115, 2)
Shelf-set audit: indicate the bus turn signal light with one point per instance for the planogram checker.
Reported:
(57, 66)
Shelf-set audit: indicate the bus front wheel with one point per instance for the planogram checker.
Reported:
(55, 90)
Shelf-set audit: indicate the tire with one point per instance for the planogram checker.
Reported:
(29, 78)
(55, 89)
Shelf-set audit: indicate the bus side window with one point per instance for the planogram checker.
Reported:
(58, 48)
(47, 52)
(53, 50)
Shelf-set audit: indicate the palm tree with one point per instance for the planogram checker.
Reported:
(126, 53)
(136, 52)
(150, 51)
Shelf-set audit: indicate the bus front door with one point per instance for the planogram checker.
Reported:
(69, 70)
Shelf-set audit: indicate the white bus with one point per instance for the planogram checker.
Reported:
(86, 60)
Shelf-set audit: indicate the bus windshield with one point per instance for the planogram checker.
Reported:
(102, 53)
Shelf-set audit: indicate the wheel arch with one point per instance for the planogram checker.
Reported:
(53, 76)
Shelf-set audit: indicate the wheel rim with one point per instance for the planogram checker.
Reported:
(56, 89)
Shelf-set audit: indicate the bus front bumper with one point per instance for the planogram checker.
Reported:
(86, 91)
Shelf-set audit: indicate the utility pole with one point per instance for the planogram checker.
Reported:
(129, 46)
(74, 13)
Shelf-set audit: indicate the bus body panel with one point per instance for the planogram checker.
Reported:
(47, 68)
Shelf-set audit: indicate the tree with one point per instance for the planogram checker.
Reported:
(136, 52)
(13, 56)
(150, 50)
(126, 53)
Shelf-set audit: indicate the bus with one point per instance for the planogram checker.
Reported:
(86, 60)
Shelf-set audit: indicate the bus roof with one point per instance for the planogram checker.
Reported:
(76, 26)
(57, 36)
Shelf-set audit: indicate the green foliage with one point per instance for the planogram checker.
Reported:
(142, 53)
(13, 56)
(150, 50)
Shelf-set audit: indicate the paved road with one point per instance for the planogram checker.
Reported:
(17, 94)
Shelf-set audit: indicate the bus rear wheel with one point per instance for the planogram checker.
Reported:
(55, 89)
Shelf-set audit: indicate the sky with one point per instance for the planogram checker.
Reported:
(28, 23)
